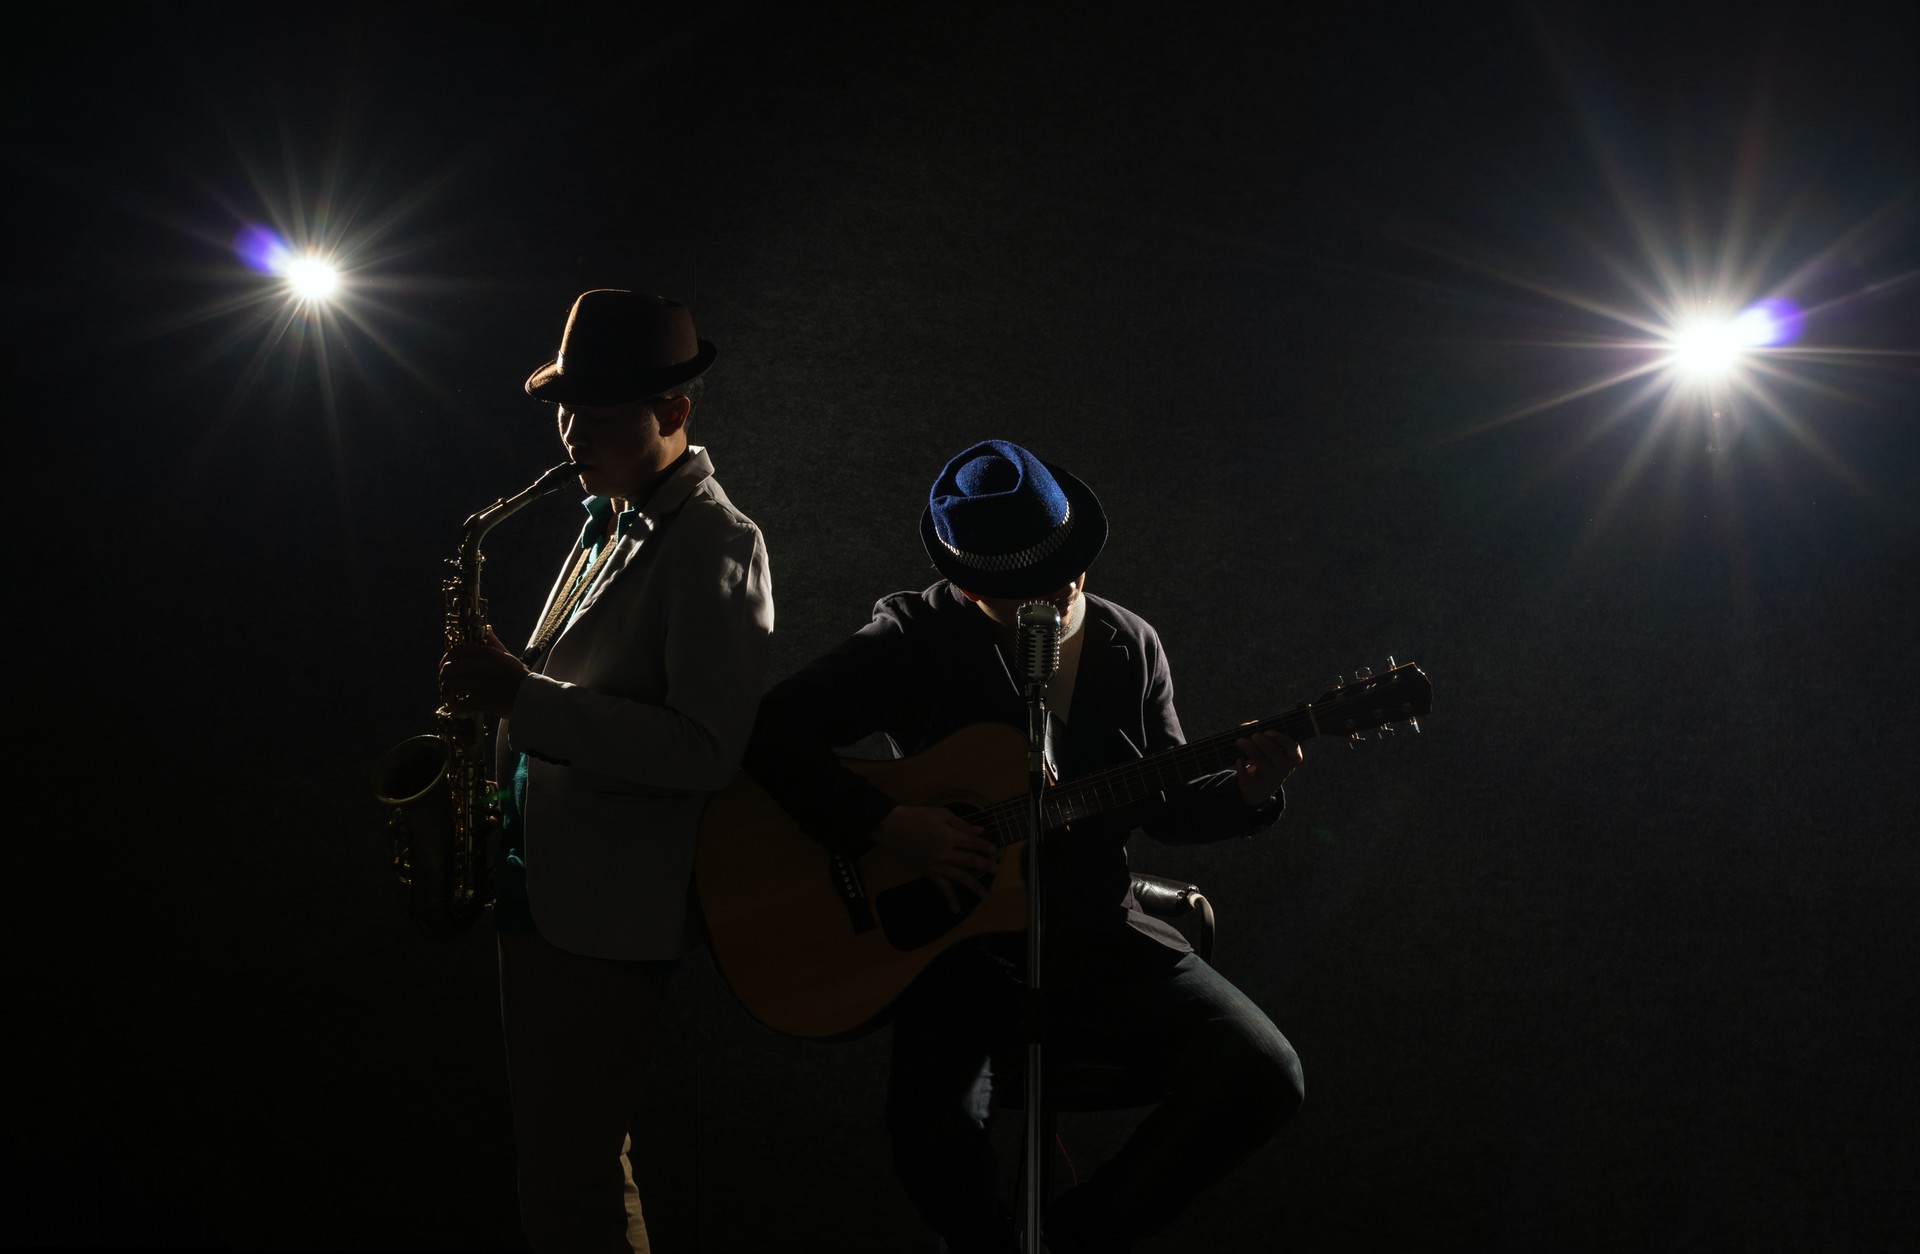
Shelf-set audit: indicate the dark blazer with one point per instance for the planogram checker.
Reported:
(929, 664)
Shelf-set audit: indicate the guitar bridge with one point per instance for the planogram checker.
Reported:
(852, 893)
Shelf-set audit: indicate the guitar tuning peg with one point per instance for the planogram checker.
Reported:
(1390, 662)
(1354, 739)
(1415, 724)
(1339, 681)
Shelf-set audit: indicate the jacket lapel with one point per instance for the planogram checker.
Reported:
(1105, 659)
(1103, 656)
(665, 502)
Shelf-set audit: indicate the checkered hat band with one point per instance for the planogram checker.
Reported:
(1014, 561)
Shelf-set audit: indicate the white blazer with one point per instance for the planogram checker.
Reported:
(642, 709)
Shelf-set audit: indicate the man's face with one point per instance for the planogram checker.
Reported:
(1005, 611)
(621, 443)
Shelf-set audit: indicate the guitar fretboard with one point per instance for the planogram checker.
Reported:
(1118, 787)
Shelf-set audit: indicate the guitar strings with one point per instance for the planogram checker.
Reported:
(1005, 821)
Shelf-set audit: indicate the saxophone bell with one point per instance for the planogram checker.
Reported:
(412, 780)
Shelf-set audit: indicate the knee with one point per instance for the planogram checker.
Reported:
(1288, 1081)
(936, 1108)
(1266, 1074)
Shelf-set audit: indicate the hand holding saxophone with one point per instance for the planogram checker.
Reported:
(481, 677)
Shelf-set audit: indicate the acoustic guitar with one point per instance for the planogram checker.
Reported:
(816, 944)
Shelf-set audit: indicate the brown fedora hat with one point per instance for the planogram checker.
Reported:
(621, 346)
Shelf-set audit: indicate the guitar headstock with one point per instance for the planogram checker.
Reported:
(1369, 702)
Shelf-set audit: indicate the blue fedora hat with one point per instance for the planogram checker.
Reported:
(1000, 522)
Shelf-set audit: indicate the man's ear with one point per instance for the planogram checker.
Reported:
(671, 414)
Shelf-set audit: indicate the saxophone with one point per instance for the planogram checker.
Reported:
(436, 784)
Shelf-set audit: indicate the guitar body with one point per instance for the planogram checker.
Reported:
(819, 946)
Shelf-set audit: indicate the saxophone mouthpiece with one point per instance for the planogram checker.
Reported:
(558, 476)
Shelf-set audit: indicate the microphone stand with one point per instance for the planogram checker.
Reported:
(1039, 654)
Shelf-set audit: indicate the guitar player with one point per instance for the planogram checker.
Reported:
(1005, 528)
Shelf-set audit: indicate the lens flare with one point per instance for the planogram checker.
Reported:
(1783, 319)
(262, 249)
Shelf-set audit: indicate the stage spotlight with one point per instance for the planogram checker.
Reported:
(312, 278)
(309, 277)
(1710, 348)
(1706, 348)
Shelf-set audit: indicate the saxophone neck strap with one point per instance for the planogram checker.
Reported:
(578, 580)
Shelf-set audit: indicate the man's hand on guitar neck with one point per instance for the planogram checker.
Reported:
(941, 845)
(1266, 759)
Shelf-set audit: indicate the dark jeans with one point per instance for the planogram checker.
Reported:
(1230, 1078)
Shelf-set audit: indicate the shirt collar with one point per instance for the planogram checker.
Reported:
(600, 507)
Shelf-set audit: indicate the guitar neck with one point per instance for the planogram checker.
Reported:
(1401, 694)
(1118, 787)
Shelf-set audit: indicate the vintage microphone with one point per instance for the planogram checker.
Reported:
(1037, 657)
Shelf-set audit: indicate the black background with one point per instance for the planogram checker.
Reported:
(1617, 954)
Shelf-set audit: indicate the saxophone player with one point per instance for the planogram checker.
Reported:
(632, 701)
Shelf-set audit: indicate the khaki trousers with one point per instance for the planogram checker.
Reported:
(578, 1032)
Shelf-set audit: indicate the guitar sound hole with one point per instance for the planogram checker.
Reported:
(916, 913)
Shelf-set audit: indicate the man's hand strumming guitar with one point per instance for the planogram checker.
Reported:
(941, 845)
